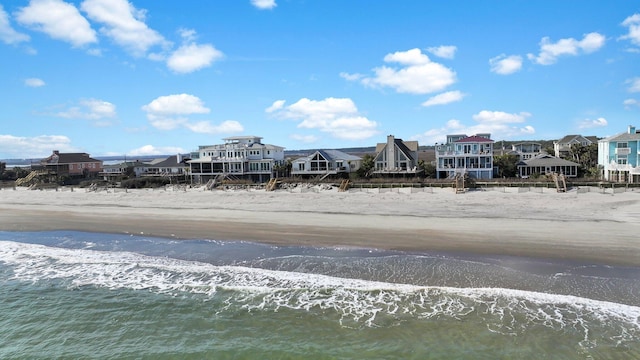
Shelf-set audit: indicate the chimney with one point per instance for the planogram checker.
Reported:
(632, 129)
(56, 152)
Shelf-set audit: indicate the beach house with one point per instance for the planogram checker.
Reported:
(243, 157)
(325, 163)
(462, 154)
(73, 165)
(526, 150)
(545, 164)
(396, 157)
(562, 147)
(618, 156)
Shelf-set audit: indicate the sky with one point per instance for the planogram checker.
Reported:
(149, 77)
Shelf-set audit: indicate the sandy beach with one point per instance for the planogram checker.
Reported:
(589, 226)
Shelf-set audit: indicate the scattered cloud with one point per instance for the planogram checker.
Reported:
(307, 139)
(225, 127)
(417, 74)
(500, 125)
(34, 82)
(634, 84)
(7, 34)
(90, 109)
(633, 23)
(172, 111)
(444, 51)
(351, 77)
(153, 150)
(124, 24)
(549, 52)
(190, 56)
(338, 117)
(33, 147)
(444, 98)
(59, 20)
(277, 105)
(588, 124)
(631, 103)
(169, 112)
(264, 4)
(505, 65)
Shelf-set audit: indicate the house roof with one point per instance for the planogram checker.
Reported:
(577, 138)
(547, 160)
(69, 158)
(474, 138)
(171, 161)
(625, 136)
(332, 155)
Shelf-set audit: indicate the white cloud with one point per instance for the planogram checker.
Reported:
(418, 74)
(634, 84)
(173, 111)
(500, 117)
(169, 112)
(34, 147)
(588, 124)
(7, 34)
(264, 4)
(190, 56)
(505, 65)
(277, 105)
(630, 103)
(338, 117)
(206, 127)
(549, 52)
(500, 125)
(633, 23)
(124, 24)
(90, 109)
(444, 98)
(153, 150)
(34, 82)
(444, 51)
(351, 77)
(59, 20)
(307, 139)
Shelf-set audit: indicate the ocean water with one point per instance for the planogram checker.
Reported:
(76, 295)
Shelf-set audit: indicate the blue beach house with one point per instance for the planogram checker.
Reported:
(618, 156)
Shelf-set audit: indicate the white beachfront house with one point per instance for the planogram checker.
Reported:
(325, 163)
(619, 156)
(396, 157)
(243, 157)
(545, 164)
(526, 150)
(462, 154)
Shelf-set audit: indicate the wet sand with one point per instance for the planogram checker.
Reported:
(587, 227)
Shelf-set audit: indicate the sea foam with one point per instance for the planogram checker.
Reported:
(354, 301)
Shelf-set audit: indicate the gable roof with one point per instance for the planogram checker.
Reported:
(547, 160)
(332, 155)
(576, 138)
(625, 136)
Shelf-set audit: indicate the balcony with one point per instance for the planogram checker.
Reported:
(623, 151)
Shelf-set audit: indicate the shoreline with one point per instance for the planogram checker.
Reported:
(589, 228)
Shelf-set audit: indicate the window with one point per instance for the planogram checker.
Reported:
(622, 145)
(622, 160)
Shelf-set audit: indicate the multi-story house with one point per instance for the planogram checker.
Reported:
(326, 163)
(462, 154)
(526, 150)
(74, 165)
(396, 157)
(240, 156)
(562, 147)
(619, 156)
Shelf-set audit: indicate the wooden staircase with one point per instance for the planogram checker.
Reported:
(560, 181)
(272, 184)
(344, 185)
(28, 179)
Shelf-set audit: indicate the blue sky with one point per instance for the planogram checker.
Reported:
(145, 77)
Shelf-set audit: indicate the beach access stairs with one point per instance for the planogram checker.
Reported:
(30, 178)
(560, 181)
(344, 185)
(216, 181)
(272, 184)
